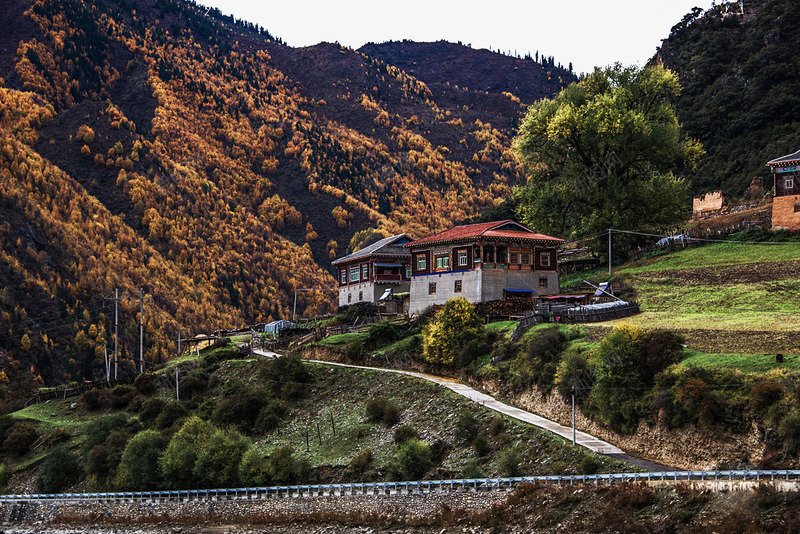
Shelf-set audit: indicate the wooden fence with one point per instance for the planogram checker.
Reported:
(71, 391)
(586, 314)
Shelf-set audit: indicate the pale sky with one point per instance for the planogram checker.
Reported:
(587, 33)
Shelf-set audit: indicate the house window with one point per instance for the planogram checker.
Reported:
(462, 258)
(349, 297)
(365, 273)
(360, 296)
(442, 262)
(788, 183)
(797, 208)
(408, 271)
(544, 259)
(526, 259)
(457, 288)
(343, 272)
(513, 258)
(542, 282)
(355, 271)
(421, 263)
(432, 288)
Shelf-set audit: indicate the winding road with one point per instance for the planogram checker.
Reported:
(583, 439)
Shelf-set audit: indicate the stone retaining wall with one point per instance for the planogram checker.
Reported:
(365, 508)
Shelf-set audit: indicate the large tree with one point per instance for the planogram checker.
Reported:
(600, 155)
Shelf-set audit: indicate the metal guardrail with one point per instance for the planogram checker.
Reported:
(396, 488)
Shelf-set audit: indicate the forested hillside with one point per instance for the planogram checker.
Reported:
(149, 144)
(741, 88)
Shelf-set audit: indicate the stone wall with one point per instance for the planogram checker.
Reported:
(708, 203)
(685, 448)
(783, 212)
(366, 508)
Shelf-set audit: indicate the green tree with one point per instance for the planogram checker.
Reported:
(177, 463)
(254, 468)
(218, 462)
(59, 471)
(455, 325)
(600, 154)
(412, 461)
(139, 467)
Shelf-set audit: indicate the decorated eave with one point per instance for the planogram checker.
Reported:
(506, 231)
(789, 160)
(385, 248)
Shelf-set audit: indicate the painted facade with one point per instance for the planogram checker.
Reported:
(786, 180)
(366, 275)
(482, 262)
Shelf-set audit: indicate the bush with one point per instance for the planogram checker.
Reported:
(60, 470)
(151, 408)
(254, 468)
(497, 426)
(241, 409)
(439, 451)
(481, 446)
(121, 396)
(574, 371)
(288, 376)
(171, 414)
(177, 464)
(590, 465)
(282, 466)
(384, 333)
(104, 458)
(102, 427)
(269, 417)
(764, 395)
(193, 384)
(5, 475)
(20, 438)
(93, 399)
(472, 469)
(139, 466)
(467, 427)
(405, 433)
(455, 325)
(412, 460)
(508, 463)
(146, 383)
(789, 432)
(382, 410)
(217, 464)
(360, 462)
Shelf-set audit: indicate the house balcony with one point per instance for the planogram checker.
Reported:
(387, 278)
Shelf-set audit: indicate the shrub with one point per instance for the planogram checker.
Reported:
(472, 469)
(405, 433)
(481, 446)
(282, 466)
(455, 325)
(763, 395)
(20, 438)
(60, 470)
(5, 475)
(242, 409)
(139, 466)
(102, 427)
(508, 463)
(93, 399)
(360, 462)
(497, 426)
(206, 409)
(146, 383)
(269, 417)
(382, 410)
(590, 465)
(171, 414)
(574, 370)
(193, 384)
(412, 460)
(121, 396)
(288, 376)
(178, 461)
(151, 408)
(789, 432)
(218, 461)
(104, 458)
(383, 333)
(254, 468)
(467, 427)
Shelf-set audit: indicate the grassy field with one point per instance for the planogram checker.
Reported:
(747, 363)
(718, 255)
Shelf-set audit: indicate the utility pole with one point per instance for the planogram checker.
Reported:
(141, 330)
(609, 251)
(573, 415)
(177, 391)
(294, 309)
(116, 327)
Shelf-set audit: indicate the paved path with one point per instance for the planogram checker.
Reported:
(581, 438)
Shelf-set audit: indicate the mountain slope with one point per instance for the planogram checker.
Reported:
(148, 145)
(741, 88)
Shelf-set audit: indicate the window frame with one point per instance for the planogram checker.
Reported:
(343, 276)
(525, 258)
(543, 282)
(463, 258)
(431, 288)
(457, 286)
(788, 182)
(544, 259)
(422, 262)
(355, 269)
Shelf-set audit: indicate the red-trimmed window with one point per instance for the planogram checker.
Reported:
(457, 288)
(432, 288)
(544, 259)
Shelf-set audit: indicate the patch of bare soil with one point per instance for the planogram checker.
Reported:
(732, 274)
(742, 342)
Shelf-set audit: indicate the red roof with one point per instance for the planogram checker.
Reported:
(497, 229)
